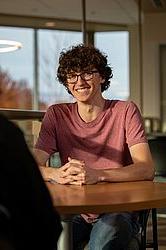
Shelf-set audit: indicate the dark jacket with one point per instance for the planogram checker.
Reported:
(34, 222)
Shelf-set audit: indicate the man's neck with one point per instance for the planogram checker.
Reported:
(89, 111)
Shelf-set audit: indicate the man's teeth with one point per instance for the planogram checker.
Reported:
(81, 90)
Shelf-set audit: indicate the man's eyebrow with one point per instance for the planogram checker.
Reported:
(71, 73)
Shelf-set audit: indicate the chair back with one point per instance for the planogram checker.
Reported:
(157, 146)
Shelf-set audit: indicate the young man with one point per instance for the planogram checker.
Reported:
(28, 218)
(98, 140)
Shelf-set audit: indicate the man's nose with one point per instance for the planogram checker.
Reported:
(79, 79)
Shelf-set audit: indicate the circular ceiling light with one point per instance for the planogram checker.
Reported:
(8, 45)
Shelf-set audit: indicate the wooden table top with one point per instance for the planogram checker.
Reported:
(108, 197)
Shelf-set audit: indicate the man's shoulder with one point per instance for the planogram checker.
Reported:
(121, 104)
(61, 106)
(6, 124)
(4, 119)
(9, 131)
(119, 107)
(60, 110)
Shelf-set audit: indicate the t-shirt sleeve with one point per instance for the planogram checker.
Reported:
(47, 136)
(135, 132)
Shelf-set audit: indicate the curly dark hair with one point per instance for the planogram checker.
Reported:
(83, 58)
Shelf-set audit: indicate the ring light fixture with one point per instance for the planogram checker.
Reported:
(8, 45)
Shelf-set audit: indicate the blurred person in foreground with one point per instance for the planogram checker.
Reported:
(28, 219)
(98, 140)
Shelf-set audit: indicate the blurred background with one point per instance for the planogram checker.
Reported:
(132, 33)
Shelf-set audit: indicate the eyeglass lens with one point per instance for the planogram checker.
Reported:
(72, 78)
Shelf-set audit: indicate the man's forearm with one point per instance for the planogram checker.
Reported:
(133, 172)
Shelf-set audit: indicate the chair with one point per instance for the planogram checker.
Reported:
(157, 146)
(144, 216)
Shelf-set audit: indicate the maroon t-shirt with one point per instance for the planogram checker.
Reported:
(102, 143)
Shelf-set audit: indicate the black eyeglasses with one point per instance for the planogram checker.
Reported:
(86, 76)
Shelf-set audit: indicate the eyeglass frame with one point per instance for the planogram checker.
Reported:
(86, 72)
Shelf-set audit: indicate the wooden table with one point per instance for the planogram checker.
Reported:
(108, 197)
(105, 198)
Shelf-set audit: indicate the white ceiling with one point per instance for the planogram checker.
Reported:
(107, 11)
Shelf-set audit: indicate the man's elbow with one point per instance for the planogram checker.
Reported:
(151, 172)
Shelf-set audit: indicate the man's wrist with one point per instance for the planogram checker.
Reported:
(47, 173)
(101, 178)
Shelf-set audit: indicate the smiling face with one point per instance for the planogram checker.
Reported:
(81, 59)
(85, 86)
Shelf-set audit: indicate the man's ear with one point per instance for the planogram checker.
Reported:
(102, 80)
(68, 90)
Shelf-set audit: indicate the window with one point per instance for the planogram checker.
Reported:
(16, 70)
(116, 46)
(20, 78)
(51, 43)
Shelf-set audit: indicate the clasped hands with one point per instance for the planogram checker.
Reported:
(77, 173)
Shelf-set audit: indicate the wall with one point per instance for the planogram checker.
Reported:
(135, 88)
(154, 34)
